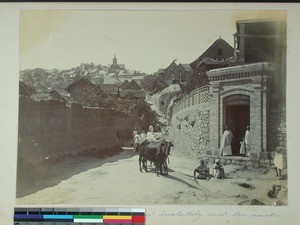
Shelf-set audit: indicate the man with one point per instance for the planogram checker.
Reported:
(135, 132)
(137, 140)
(225, 146)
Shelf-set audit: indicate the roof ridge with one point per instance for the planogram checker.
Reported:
(211, 47)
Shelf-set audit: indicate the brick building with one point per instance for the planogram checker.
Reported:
(251, 93)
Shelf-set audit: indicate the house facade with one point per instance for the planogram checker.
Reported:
(131, 90)
(176, 74)
(169, 73)
(79, 88)
(220, 50)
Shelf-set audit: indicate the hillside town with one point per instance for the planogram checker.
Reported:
(225, 109)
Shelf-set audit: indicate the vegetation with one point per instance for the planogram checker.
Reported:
(196, 81)
(153, 84)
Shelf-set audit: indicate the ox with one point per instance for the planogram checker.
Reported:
(155, 152)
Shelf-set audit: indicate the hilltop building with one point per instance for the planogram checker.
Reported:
(115, 67)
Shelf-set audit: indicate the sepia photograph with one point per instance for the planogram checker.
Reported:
(158, 107)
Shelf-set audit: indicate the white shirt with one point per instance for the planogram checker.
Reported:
(150, 136)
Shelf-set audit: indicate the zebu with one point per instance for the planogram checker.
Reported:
(164, 156)
(156, 152)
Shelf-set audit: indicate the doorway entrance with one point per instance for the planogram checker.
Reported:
(237, 116)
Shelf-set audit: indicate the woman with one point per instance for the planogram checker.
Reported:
(150, 134)
(245, 148)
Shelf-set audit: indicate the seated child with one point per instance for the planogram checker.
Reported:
(218, 171)
(202, 170)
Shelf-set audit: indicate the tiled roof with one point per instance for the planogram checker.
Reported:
(77, 80)
(110, 80)
(25, 89)
(124, 84)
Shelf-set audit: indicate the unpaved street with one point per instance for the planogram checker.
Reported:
(118, 181)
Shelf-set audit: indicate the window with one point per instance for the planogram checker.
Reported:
(219, 51)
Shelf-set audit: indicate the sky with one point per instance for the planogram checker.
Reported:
(142, 40)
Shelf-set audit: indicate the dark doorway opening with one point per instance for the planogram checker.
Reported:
(237, 117)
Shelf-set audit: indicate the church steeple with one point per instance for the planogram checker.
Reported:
(115, 60)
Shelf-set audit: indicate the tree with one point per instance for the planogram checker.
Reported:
(197, 80)
(153, 83)
(145, 115)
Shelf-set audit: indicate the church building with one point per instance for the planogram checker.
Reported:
(115, 67)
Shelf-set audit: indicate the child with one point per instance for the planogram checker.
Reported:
(218, 171)
(202, 170)
(279, 161)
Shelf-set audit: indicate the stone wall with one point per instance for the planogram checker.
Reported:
(50, 128)
(190, 130)
(240, 161)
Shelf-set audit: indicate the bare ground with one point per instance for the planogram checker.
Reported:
(117, 180)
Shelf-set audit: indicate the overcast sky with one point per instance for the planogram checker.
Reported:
(142, 40)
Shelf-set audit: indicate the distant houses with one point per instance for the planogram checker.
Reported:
(131, 90)
(219, 54)
(80, 88)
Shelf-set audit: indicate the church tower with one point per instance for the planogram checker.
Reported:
(115, 60)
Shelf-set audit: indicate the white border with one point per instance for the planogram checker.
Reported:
(9, 47)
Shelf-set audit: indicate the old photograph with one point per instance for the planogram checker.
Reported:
(152, 107)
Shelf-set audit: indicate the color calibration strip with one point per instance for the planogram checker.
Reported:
(63, 216)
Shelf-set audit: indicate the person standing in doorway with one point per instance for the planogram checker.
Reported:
(225, 146)
(245, 144)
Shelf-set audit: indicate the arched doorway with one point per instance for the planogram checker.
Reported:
(236, 115)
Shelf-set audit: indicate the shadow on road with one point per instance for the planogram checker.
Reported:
(182, 181)
(33, 176)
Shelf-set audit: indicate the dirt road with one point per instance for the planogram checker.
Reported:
(118, 181)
